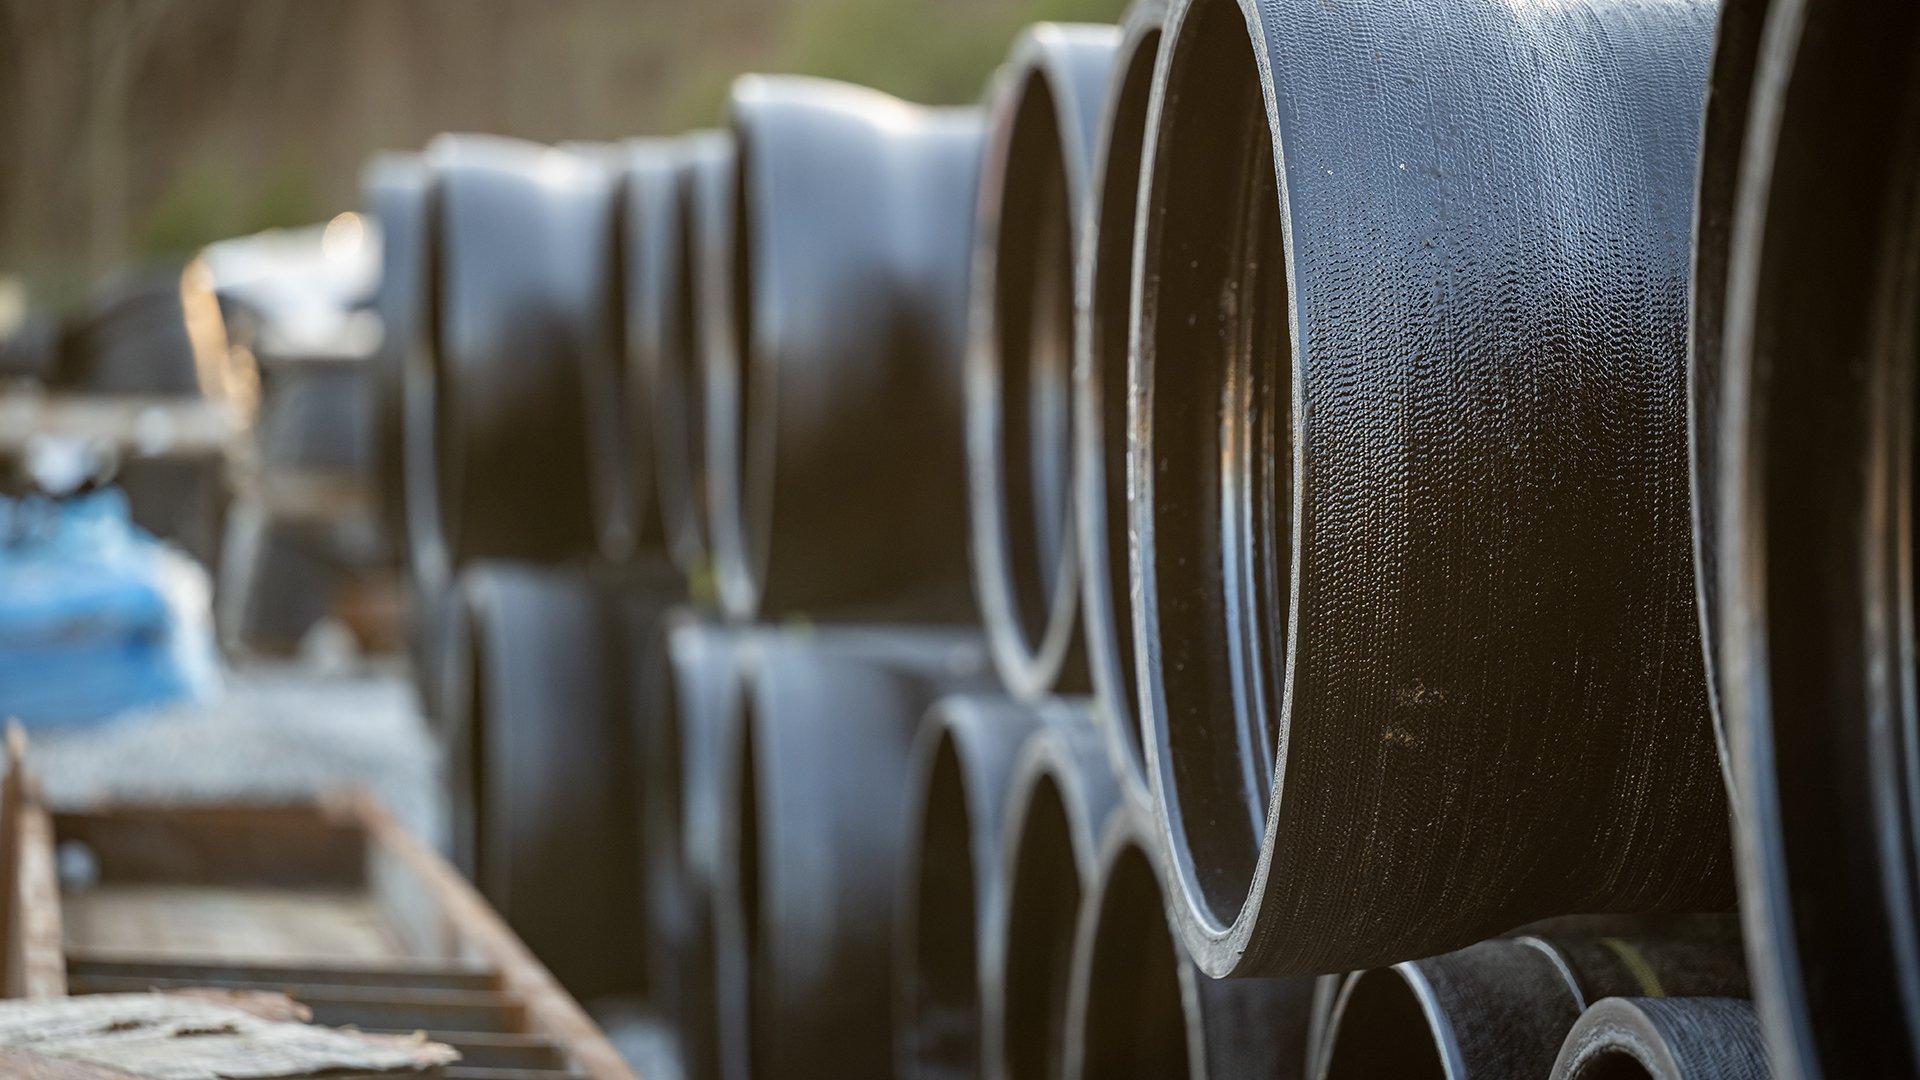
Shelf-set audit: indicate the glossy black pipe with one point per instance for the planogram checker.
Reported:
(1102, 291)
(680, 801)
(553, 686)
(395, 188)
(1408, 483)
(696, 335)
(1813, 619)
(651, 330)
(1736, 49)
(1698, 1038)
(1502, 1008)
(525, 388)
(952, 893)
(813, 834)
(1062, 792)
(834, 446)
(1139, 1007)
(1044, 107)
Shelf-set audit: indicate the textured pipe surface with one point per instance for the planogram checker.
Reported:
(813, 834)
(696, 335)
(1502, 1008)
(1701, 1038)
(525, 387)
(1061, 793)
(1029, 227)
(681, 825)
(1409, 477)
(835, 449)
(396, 190)
(1105, 270)
(1813, 618)
(953, 888)
(1139, 1007)
(547, 710)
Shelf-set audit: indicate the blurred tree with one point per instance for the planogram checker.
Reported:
(143, 127)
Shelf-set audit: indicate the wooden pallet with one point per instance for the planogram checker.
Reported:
(332, 904)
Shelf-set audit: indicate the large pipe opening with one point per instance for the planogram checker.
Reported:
(752, 476)
(1033, 342)
(1107, 327)
(1612, 1064)
(1216, 438)
(1135, 1018)
(747, 884)
(1043, 902)
(686, 471)
(1381, 1030)
(943, 1014)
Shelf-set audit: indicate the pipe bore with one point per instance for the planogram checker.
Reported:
(1408, 477)
(944, 997)
(1139, 1007)
(702, 248)
(1033, 199)
(954, 890)
(1814, 614)
(1218, 461)
(1504, 1007)
(1100, 392)
(818, 846)
(1134, 1021)
(1681, 1038)
(1062, 791)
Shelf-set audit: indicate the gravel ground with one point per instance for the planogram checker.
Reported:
(277, 734)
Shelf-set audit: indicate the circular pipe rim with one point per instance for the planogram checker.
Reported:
(1030, 222)
(1099, 458)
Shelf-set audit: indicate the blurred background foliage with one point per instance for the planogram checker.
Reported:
(136, 130)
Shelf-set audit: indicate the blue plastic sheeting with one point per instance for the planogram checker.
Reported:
(96, 616)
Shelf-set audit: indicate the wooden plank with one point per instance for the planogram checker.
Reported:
(421, 974)
(550, 1010)
(233, 923)
(297, 845)
(43, 969)
(496, 1050)
(29, 883)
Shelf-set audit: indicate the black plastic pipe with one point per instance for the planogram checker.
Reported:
(650, 330)
(694, 335)
(1700, 1038)
(953, 891)
(1408, 478)
(814, 831)
(1139, 1007)
(553, 688)
(681, 785)
(1811, 473)
(524, 388)
(1502, 1008)
(1061, 793)
(1044, 108)
(396, 189)
(1103, 290)
(834, 445)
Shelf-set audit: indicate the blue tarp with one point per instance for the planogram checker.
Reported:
(96, 616)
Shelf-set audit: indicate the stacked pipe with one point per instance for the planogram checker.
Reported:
(1220, 560)
(527, 293)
